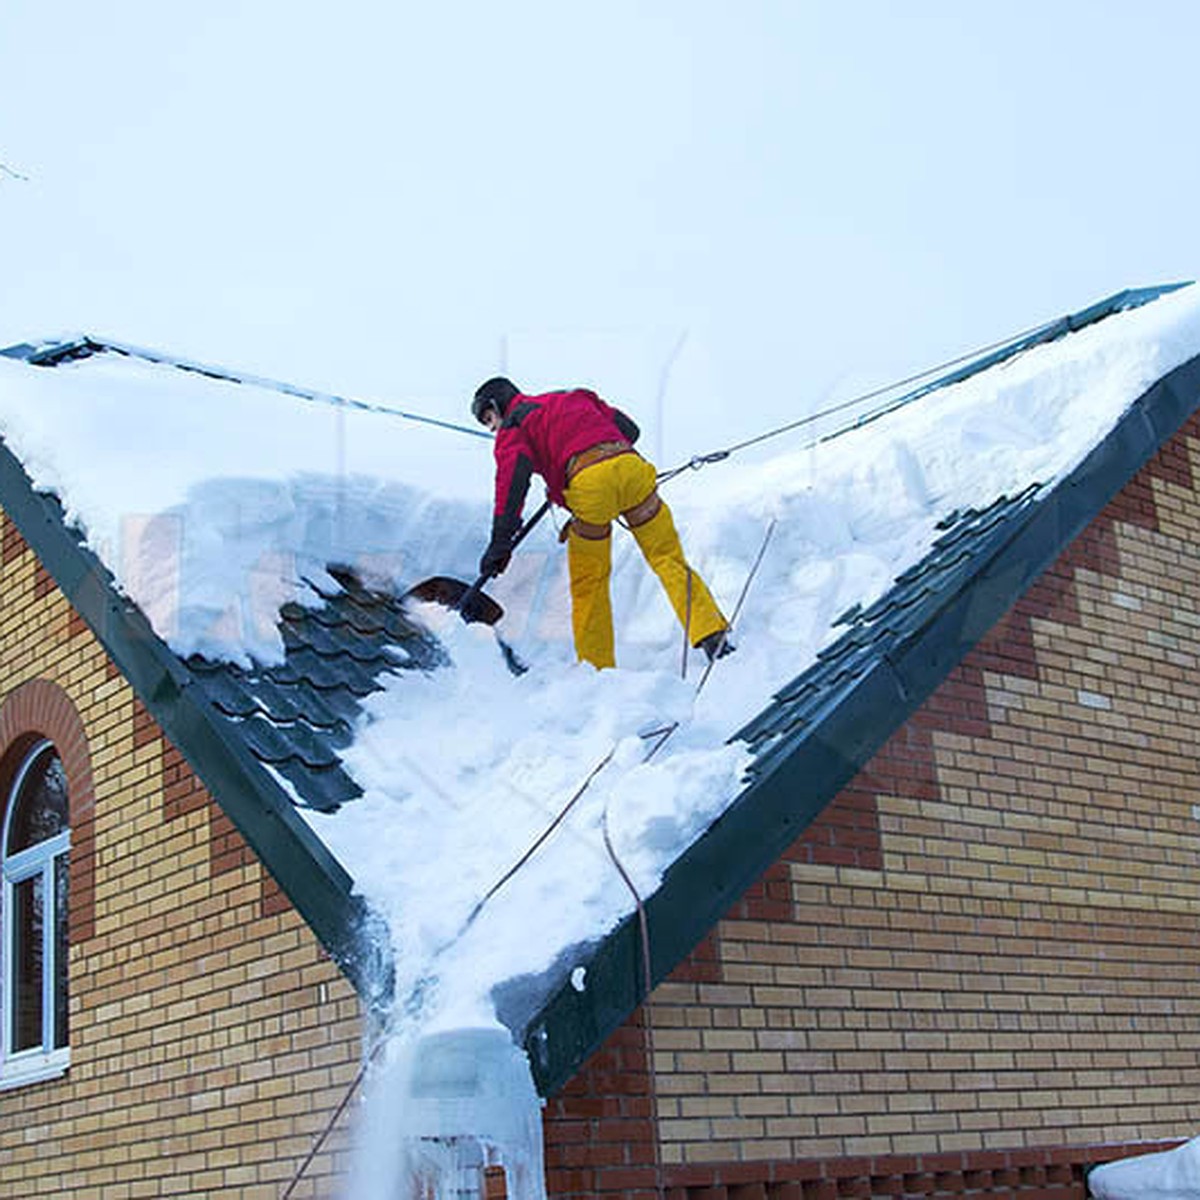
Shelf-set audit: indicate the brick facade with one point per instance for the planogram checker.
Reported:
(210, 1037)
(979, 969)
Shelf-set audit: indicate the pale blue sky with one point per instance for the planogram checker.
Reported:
(394, 199)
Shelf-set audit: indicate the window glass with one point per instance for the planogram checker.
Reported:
(34, 960)
(28, 944)
(60, 951)
(41, 802)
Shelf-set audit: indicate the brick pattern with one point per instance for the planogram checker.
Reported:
(227, 851)
(211, 1039)
(987, 944)
(183, 794)
(603, 1131)
(12, 544)
(1029, 1174)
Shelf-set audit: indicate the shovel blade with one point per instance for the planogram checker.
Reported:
(480, 608)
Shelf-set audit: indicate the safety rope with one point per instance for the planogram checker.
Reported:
(642, 919)
(343, 1104)
(664, 734)
(687, 629)
(647, 988)
(386, 1033)
(229, 375)
(91, 344)
(558, 820)
(702, 460)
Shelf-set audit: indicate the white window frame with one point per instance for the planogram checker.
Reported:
(45, 1061)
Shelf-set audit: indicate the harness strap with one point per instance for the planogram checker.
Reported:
(643, 511)
(594, 454)
(585, 529)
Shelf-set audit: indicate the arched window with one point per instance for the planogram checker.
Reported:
(36, 842)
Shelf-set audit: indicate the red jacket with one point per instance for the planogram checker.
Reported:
(540, 433)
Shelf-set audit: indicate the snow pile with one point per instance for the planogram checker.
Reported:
(466, 769)
(213, 502)
(1166, 1175)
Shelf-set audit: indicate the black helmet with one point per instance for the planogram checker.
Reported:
(496, 393)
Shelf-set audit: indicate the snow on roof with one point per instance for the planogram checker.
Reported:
(213, 502)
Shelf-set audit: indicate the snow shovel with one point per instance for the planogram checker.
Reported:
(470, 601)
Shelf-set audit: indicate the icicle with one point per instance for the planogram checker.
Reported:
(444, 1110)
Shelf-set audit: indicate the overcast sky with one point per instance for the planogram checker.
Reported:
(754, 208)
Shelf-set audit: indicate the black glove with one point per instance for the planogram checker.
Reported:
(499, 551)
(495, 558)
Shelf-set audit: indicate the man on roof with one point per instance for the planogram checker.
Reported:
(583, 449)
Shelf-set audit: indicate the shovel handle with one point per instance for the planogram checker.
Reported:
(469, 595)
(519, 536)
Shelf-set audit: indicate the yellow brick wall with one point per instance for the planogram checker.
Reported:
(210, 1037)
(1016, 962)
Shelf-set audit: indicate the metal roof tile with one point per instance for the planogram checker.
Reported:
(969, 539)
(324, 789)
(298, 715)
(277, 743)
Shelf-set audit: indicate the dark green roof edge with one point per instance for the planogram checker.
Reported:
(1052, 331)
(309, 875)
(802, 778)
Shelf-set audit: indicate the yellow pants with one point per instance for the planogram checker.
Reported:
(597, 495)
